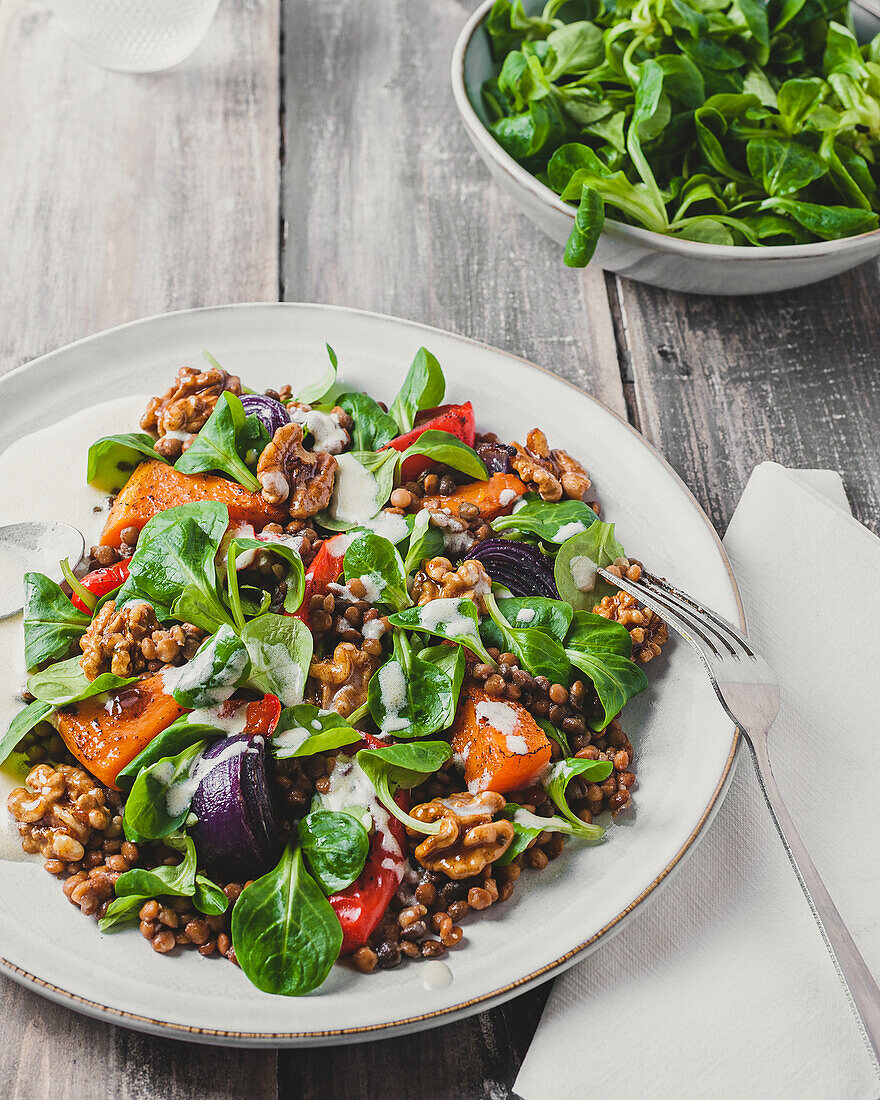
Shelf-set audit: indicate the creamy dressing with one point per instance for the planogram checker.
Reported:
(354, 492)
(287, 674)
(374, 587)
(37, 484)
(445, 615)
(196, 672)
(435, 974)
(351, 789)
(229, 723)
(457, 542)
(584, 572)
(503, 717)
(569, 530)
(392, 685)
(323, 427)
(390, 526)
(288, 742)
(180, 794)
(374, 628)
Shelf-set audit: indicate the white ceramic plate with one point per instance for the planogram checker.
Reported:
(685, 743)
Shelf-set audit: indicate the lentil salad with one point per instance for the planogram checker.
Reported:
(340, 673)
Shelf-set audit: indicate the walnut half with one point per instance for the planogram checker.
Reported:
(124, 642)
(468, 839)
(288, 472)
(186, 405)
(439, 581)
(342, 679)
(552, 472)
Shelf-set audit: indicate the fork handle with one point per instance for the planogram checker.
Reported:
(861, 988)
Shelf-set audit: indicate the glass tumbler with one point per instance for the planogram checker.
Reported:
(136, 36)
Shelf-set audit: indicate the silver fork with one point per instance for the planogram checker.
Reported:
(744, 683)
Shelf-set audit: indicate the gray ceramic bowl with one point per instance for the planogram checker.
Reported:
(639, 253)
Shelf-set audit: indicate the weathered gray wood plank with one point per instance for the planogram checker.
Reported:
(725, 383)
(47, 1051)
(471, 1059)
(123, 196)
(387, 207)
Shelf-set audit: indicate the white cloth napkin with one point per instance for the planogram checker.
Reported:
(723, 987)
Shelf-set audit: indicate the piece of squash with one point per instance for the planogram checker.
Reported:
(154, 486)
(501, 744)
(106, 733)
(494, 497)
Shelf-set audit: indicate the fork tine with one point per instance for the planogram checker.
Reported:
(667, 603)
(689, 627)
(719, 621)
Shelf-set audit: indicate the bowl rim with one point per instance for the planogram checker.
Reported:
(660, 242)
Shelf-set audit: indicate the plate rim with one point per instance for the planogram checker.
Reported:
(436, 1017)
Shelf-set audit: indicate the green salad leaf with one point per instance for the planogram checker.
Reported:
(552, 617)
(552, 522)
(445, 448)
(423, 388)
(51, 622)
(280, 651)
(560, 774)
(539, 653)
(376, 563)
(65, 682)
(215, 671)
(407, 697)
(174, 562)
(373, 427)
(336, 846)
(113, 459)
(724, 121)
(304, 730)
(222, 444)
(160, 797)
(326, 389)
(285, 934)
(576, 565)
(425, 541)
(455, 619)
(294, 580)
(397, 767)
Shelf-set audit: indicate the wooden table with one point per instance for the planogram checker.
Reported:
(310, 151)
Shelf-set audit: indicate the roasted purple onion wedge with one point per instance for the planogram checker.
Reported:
(271, 412)
(236, 833)
(519, 566)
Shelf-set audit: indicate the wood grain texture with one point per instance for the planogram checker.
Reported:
(387, 207)
(49, 1051)
(725, 383)
(468, 1060)
(123, 195)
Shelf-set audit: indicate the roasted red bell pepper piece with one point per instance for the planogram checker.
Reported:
(458, 420)
(362, 905)
(324, 570)
(101, 581)
(262, 715)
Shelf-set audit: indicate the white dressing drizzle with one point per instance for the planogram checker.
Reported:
(584, 572)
